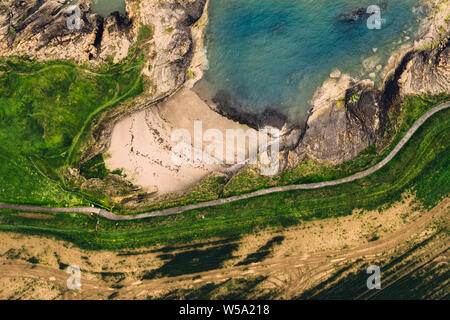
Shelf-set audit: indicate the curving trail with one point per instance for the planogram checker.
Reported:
(171, 211)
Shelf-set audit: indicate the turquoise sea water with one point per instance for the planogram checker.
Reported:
(106, 7)
(276, 53)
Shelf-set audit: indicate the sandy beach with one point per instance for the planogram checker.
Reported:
(141, 144)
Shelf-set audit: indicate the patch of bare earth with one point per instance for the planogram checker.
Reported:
(25, 288)
(300, 258)
(35, 215)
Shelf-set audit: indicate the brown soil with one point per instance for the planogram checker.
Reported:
(33, 267)
(35, 215)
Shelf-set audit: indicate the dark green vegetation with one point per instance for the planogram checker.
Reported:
(145, 33)
(94, 168)
(422, 166)
(232, 289)
(45, 110)
(262, 252)
(192, 261)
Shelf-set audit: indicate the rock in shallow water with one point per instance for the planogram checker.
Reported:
(355, 15)
(335, 74)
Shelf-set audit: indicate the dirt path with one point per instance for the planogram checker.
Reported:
(309, 186)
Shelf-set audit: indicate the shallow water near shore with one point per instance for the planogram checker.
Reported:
(106, 7)
(275, 54)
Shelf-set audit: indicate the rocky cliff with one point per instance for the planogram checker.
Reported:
(426, 71)
(343, 121)
(349, 116)
(170, 53)
(39, 29)
(171, 21)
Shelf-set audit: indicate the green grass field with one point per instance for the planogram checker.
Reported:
(422, 166)
(44, 110)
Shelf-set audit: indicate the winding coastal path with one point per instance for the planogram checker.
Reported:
(171, 211)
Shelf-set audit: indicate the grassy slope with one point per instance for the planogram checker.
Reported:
(44, 109)
(423, 165)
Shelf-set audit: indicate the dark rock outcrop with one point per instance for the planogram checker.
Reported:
(340, 131)
(365, 111)
(359, 14)
(355, 15)
(228, 108)
(193, 8)
(339, 128)
(41, 29)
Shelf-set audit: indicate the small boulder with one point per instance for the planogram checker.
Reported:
(335, 74)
